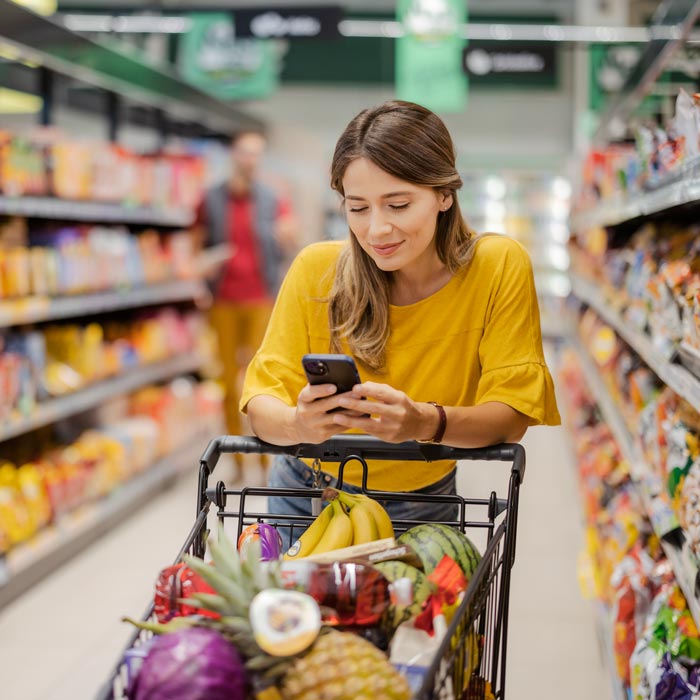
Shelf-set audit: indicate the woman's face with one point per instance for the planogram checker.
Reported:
(393, 220)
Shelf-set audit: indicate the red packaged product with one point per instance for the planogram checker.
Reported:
(349, 594)
(176, 582)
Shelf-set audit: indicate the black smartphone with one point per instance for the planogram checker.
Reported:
(331, 369)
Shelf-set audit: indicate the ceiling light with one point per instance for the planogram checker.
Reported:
(561, 188)
(495, 187)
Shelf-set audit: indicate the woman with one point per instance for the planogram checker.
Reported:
(444, 326)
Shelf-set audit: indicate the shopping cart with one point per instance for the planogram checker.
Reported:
(482, 614)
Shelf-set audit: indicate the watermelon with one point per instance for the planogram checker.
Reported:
(397, 612)
(431, 541)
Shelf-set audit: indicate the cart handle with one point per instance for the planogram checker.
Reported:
(340, 447)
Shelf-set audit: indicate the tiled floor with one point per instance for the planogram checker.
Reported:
(60, 640)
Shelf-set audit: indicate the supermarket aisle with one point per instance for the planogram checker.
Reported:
(59, 641)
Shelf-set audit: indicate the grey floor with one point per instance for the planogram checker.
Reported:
(60, 640)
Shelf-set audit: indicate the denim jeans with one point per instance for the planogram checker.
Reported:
(290, 472)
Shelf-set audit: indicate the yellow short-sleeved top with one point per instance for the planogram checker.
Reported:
(476, 340)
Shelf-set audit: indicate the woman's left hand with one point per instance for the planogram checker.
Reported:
(395, 417)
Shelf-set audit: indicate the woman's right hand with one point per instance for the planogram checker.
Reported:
(312, 422)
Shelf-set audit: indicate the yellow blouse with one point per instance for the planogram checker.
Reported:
(476, 340)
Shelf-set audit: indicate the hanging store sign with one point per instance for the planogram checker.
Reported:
(429, 55)
(289, 22)
(212, 57)
(512, 63)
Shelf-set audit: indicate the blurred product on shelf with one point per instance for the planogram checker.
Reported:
(651, 633)
(654, 279)
(40, 481)
(48, 165)
(57, 260)
(613, 512)
(669, 430)
(60, 359)
(664, 426)
(653, 416)
(626, 169)
(666, 658)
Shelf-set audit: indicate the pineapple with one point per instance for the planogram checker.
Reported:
(343, 666)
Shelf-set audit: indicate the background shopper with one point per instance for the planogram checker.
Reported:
(257, 222)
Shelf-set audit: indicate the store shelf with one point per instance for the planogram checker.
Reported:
(683, 382)
(676, 15)
(684, 568)
(27, 564)
(681, 188)
(97, 212)
(35, 309)
(116, 68)
(94, 395)
(604, 626)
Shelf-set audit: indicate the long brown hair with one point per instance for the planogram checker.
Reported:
(413, 144)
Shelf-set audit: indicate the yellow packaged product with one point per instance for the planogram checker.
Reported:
(38, 269)
(91, 359)
(14, 517)
(33, 489)
(17, 272)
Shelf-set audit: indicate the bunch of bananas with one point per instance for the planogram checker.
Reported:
(347, 520)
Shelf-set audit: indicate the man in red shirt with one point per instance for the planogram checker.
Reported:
(258, 226)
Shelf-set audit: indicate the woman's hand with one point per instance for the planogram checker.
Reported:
(395, 416)
(312, 422)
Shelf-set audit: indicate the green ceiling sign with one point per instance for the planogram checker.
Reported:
(211, 57)
(429, 55)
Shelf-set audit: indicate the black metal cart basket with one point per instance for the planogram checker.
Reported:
(482, 617)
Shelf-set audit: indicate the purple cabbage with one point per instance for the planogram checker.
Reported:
(191, 664)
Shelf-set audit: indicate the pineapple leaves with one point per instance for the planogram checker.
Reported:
(174, 625)
(220, 583)
(277, 670)
(266, 663)
(225, 555)
(209, 601)
(237, 624)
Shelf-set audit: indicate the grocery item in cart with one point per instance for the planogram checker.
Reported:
(269, 538)
(432, 541)
(351, 595)
(284, 623)
(339, 665)
(409, 589)
(194, 663)
(348, 520)
(342, 666)
(175, 583)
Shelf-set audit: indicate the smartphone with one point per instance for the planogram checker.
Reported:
(331, 369)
